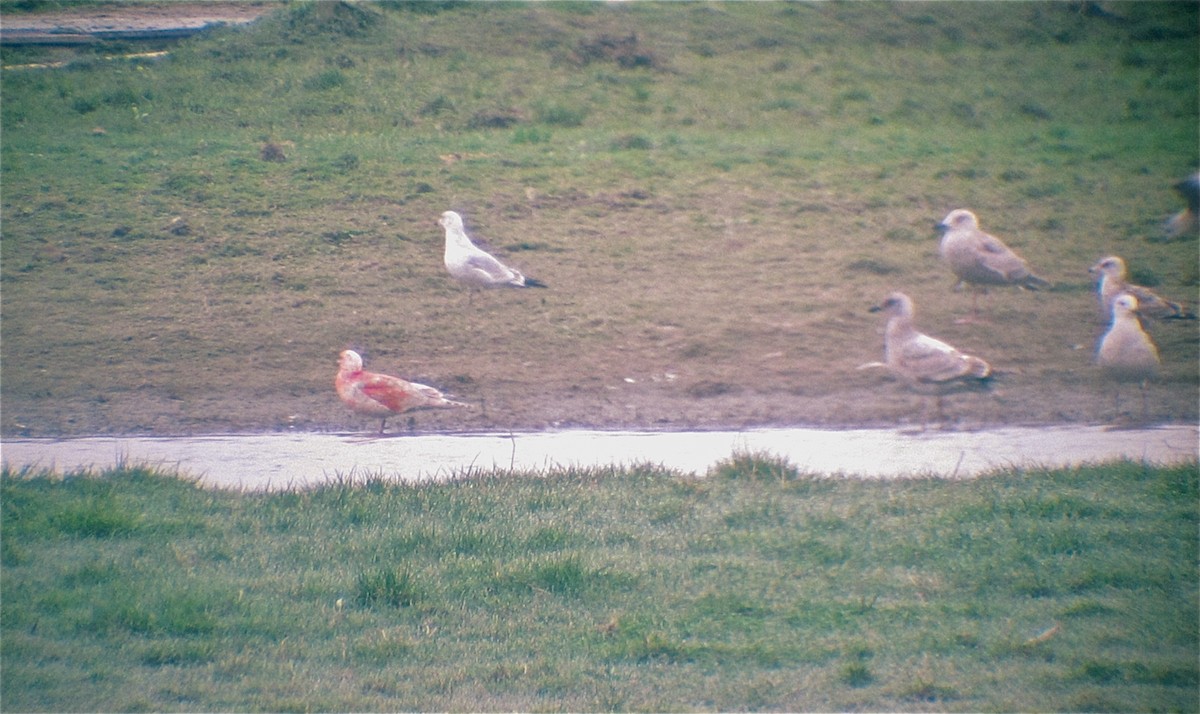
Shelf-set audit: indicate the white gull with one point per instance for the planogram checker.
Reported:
(468, 263)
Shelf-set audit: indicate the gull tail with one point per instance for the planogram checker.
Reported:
(1178, 312)
(978, 369)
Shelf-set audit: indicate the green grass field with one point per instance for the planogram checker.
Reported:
(752, 588)
(716, 193)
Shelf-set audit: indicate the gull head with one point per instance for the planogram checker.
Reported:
(958, 219)
(1112, 267)
(1125, 304)
(350, 361)
(896, 305)
(451, 221)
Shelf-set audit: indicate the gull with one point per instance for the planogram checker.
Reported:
(1126, 353)
(475, 267)
(1186, 223)
(1112, 282)
(979, 259)
(380, 395)
(924, 361)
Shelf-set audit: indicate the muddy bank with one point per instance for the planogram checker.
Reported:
(215, 297)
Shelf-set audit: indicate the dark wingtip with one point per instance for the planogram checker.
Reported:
(1033, 282)
(535, 283)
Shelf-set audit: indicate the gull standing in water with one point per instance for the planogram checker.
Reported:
(380, 395)
(979, 259)
(925, 362)
(477, 268)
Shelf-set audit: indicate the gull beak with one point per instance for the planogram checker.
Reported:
(940, 227)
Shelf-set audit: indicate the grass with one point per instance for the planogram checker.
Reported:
(715, 192)
(755, 587)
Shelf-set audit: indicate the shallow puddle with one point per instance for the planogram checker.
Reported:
(274, 461)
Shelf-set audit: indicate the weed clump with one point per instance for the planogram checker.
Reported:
(626, 51)
(754, 466)
(496, 118)
(329, 79)
(634, 142)
(422, 7)
(329, 19)
(388, 587)
(554, 114)
(272, 152)
(96, 519)
(857, 675)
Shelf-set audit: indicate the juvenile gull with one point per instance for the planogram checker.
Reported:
(1126, 353)
(1113, 281)
(1186, 223)
(979, 259)
(379, 395)
(926, 362)
(475, 267)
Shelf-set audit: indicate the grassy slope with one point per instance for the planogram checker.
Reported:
(755, 588)
(714, 218)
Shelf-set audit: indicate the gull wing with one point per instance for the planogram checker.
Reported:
(927, 359)
(998, 258)
(489, 266)
(392, 392)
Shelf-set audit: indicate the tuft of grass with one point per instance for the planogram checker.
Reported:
(756, 466)
(389, 587)
(560, 115)
(560, 576)
(856, 674)
(96, 519)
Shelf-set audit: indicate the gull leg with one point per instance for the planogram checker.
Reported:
(974, 317)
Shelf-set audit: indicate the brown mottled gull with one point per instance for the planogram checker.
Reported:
(926, 362)
(979, 259)
(1113, 281)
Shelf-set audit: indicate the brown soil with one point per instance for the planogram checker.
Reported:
(658, 378)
